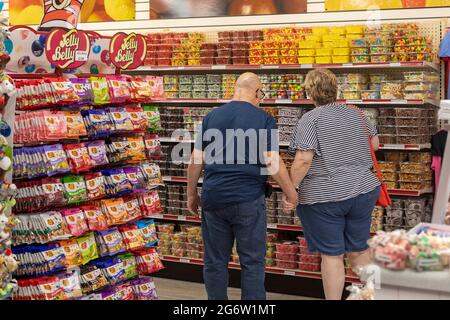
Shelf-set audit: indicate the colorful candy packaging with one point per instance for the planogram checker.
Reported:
(133, 238)
(150, 203)
(97, 122)
(118, 89)
(140, 90)
(83, 89)
(74, 189)
(148, 261)
(55, 126)
(115, 210)
(152, 174)
(120, 118)
(113, 269)
(136, 178)
(110, 242)
(72, 253)
(148, 230)
(92, 279)
(70, 283)
(88, 247)
(117, 181)
(129, 264)
(78, 156)
(95, 185)
(156, 84)
(57, 159)
(118, 150)
(97, 152)
(153, 147)
(96, 220)
(144, 289)
(136, 149)
(133, 208)
(100, 90)
(75, 124)
(63, 90)
(138, 118)
(54, 191)
(153, 118)
(76, 221)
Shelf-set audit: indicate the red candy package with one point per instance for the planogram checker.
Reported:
(138, 119)
(78, 156)
(95, 185)
(54, 125)
(150, 203)
(119, 90)
(96, 220)
(76, 221)
(133, 208)
(63, 90)
(148, 261)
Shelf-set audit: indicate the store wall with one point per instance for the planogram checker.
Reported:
(316, 15)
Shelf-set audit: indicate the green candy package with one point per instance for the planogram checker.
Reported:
(88, 247)
(100, 90)
(74, 189)
(153, 118)
(129, 264)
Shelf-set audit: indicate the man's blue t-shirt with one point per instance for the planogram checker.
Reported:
(235, 136)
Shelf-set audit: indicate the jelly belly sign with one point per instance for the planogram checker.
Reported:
(67, 49)
(127, 51)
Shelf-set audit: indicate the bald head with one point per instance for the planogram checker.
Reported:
(248, 87)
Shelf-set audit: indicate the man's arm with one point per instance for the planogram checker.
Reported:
(301, 165)
(194, 172)
(277, 169)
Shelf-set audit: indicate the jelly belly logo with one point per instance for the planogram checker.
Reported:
(67, 49)
(127, 51)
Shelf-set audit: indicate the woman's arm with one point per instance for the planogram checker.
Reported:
(375, 143)
(301, 165)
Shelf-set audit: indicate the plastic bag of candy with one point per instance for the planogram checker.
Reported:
(92, 279)
(148, 261)
(117, 181)
(138, 118)
(113, 269)
(390, 249)
(121, 119)
(76, 221)
(133, 208)
(75, 124)
(153, 118)
(118, 89)
(110, 242)
(88, 247)
(132, 236)
(95, 185)
(136, 178)
(97, 152)
(78, 157)
(83, 89)
(115, 211)
(153, 147)
(74, 189)
(95, 218)
(129, 264)
(100, 90)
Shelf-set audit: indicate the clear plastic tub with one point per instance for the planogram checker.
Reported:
(387, 129)
(352, 95)
(396, 156)
(387, 166)
(418, 139)
(414, 167)
(286, 264)
(323, 59)
(287, 247)
(312, 267)
(411, 130)
(286, 256)
(370, 95)
(387, 138)
(421, 76)
(421, 157)
(389, 176)
(405, 121)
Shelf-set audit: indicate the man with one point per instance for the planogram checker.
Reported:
(235, 150)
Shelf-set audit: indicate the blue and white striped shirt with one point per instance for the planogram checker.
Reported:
(341, 167)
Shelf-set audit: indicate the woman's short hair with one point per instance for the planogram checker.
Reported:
(321, 86)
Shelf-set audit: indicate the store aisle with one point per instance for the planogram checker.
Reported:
(182, 290)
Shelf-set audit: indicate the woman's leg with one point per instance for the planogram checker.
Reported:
(359, 259)
(333, 276)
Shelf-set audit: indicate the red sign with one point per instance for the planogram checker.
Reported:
(127, 51)
(67, 49)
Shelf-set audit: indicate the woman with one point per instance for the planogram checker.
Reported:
(336, 187)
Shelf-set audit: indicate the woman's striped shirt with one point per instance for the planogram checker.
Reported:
(341, 167)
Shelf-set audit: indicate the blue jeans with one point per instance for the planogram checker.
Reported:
(247, 223)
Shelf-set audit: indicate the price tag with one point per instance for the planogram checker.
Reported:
(270, 67)
(181, 68)
(347, 65)
(219, 67)
(306, 66)
(353, 101)
(271, 226)
(395, 64)
(399, 101)
(182, 218)
(81, 56)
(159, 216)
(283, 101)
(185, 260)
(167, 178)
(289, 273)
(392, 146)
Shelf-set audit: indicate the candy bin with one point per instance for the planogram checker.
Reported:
(287, 247)
(286, 264)
(390, 250)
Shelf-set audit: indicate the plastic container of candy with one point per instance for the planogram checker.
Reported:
(306, 60)
(410, 112)
(287, 247)
(376, 50)
(412, 185)
(359, 51)
(352, 95)
(391, 185)
(412, 130)
(387, 129)
(286, 264)
(389, 176)
(360, 58)
(418, 139)
(414, 167)
(395, 156)
(309, 258)
(420, 95)
(272, 219)
(359, 43)
(341, 58)
(387, 166)
(323, 59)
(370, 95)
(311, 267)
(288, 59)
(306, 52)
(285, 220)
(379, 58)
(421, 76)
(286, 256)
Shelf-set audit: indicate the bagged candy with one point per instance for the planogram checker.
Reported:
(74, 189)
(56, 158)
(136, 149)
(110, 242)
(92, 279)
(153, 118)
(88, 247)
(96, 220)
(63, 90)
(116, 181)
(97, 152)
(118, 150)
(138, 118)
(70, 284)
(129, 265)
(55, 125)
(76, 221)
(78, 156)
(153, 147)
(115, 211)
(118, 89)
(148, 230)
(156, 84)
(150, 203)
(113, 269)
(97, 122)
(75, 124)
(132, 237)
(140, 90)
(53, 191)
(148, 261)
(136, 178)
(121, 120)
(152, 174)
(72, 253)
(95, 185)
(100, 90)
(133, 208)
(144, 289)
(83, 89)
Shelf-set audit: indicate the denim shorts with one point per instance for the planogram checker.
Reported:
(334, 228)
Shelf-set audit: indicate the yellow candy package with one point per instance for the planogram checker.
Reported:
(136, 149)
(88, 247)
(100, 90)
(72, 252)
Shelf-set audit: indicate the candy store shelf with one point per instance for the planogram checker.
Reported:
(173, 217)
(400, 65)
(307, 102)
(272, 270)
(410, 147)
